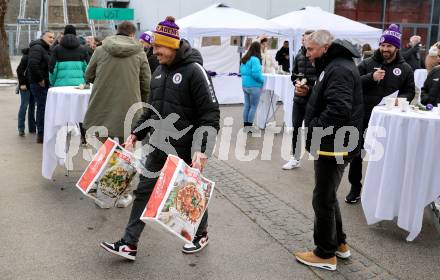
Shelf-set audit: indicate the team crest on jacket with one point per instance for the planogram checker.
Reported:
(177, 78)
(321, 76)
(397, 71)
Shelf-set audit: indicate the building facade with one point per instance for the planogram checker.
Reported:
(414, 17)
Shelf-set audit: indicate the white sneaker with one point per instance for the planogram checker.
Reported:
(198, 244)
(291, 164)
(124, 201)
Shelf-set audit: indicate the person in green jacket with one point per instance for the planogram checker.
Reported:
(68, 61)
(120, 74)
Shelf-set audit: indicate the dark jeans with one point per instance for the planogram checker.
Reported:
(40, 95)
(298, 113)
(355, 171)
(145, 187)
(27, 100)
(328, 232)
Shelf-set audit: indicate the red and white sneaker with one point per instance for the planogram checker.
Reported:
(198, 244)
(121, 248)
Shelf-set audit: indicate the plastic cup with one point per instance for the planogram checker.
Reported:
(400, 101)
(389, 103)
(404, 106)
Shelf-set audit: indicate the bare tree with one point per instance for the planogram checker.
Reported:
(5, 62)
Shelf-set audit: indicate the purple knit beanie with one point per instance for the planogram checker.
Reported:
(167, 33)
(391, 36)
(147, 37)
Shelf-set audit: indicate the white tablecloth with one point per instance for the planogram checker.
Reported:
(420, 77)
(228, 89)
(282, 88)
(407, 177)
(64, 105)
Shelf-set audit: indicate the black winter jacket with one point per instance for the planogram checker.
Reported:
(39, 59)
(431, 88)
(183, 88)
(22, 75)
(280, 57)
(398, 76)
(68, 62)
(302, 65)
(335, 102)
(412, 57)
(69, 49)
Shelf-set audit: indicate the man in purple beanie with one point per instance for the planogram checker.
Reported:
(382, 74)
(146, 39)
(180, 86)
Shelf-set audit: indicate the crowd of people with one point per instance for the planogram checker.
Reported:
(50, 62)
(158, 68)
(331, 90)
(164, 71)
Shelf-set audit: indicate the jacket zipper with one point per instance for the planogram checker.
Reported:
(163, 92)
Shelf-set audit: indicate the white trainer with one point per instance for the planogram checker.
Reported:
(124, 201)
(291, 164)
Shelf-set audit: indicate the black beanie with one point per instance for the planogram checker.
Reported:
(69, 29)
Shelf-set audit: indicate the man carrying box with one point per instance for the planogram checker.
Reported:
(180, 86)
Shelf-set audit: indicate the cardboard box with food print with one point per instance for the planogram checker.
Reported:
(179, 199)
(109, 173)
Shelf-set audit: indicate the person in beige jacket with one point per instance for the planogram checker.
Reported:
(120, 74)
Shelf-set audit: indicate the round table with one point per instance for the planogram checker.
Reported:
(64, 106)
(402, 176)
(276, 87)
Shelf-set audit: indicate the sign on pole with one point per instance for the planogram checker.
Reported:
(111, 13)
(28, 21)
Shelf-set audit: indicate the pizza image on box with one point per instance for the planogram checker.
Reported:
(110, 172)
(179, 199)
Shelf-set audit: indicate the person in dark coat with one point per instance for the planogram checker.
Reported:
(38, 69)
(146, 39)
(68, 60)
(182, 92)
(282, 57)
(382, 75)
(304, 74)
(431, 88)
(412, 53)
(334, 112)
(27, 99)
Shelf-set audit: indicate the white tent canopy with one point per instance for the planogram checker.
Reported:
(315, 18)
(222, 20)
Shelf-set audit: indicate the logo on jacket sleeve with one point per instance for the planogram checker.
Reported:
(397, 71)
(177, 78)
(321, 76)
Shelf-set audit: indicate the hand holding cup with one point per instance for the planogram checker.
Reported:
(378, 75)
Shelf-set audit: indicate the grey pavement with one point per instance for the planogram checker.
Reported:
(49, 230)
(260, 215)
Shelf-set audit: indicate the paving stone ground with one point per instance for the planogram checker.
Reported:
(286, 224)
